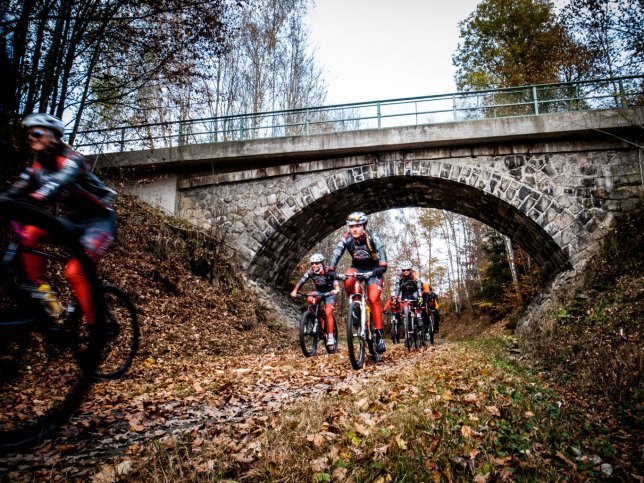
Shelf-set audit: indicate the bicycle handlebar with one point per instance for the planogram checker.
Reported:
(315, 294)
(359, 276)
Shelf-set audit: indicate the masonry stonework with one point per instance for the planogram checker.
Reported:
(555, 201)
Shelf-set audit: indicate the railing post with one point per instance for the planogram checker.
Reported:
(241, 128)
(179, 141)
(122, 139)
(307, 121)
(378, 113)
(535, 101)
(621, 96)
(454, 106)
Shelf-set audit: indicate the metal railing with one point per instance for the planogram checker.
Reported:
(460, 106)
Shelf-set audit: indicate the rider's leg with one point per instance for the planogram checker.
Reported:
(373, 295)
(96, 239)
(437, 318)
(34, 265)
(328, 311)
(82, 291)
(350, 282)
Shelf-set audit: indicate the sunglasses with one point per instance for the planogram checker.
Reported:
(36, 133)
(407, 270)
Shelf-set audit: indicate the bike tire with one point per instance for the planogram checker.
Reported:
(409, 334)
(431, 329)
(421, 331)
(308, 336)
(355, 342)
(49, 381)
(123, 334)
(334, 348)
(371, 342)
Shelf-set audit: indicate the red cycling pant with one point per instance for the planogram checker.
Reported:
(330, 323)
(35, 270)
(374, 289)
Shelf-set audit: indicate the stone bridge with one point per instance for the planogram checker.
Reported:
(552, 183)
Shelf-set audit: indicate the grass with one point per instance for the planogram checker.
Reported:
(463, 414)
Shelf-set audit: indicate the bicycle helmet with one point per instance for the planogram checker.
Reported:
(45, 120)
(317, 258)
(357, 218)
(405, 265)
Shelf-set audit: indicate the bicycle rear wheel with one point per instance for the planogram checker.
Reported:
(122, 334)
(308, 334)
(355, 342)
(430, 329)
(42, 379)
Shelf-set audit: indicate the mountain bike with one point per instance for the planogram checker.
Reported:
(360, 329)
(313, 325)
(429, 330)
(395, 325)
(413, 324)
(45, 368)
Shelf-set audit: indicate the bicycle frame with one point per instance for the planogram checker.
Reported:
(359, 297)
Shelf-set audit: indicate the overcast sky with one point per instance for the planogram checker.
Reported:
(386, 49)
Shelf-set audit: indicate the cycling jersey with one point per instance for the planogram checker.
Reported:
(65, 177)
(408, 287)
(323, 281)
(367, 252)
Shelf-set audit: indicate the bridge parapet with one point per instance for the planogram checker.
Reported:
(551, 183)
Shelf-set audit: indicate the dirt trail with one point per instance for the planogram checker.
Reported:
(225, 397)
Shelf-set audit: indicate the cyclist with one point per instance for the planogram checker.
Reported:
(367, 255)
(407, 285)
(392, 307)
(430, 302)
(60, 175)
(324, 282)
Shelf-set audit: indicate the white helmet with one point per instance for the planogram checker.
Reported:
(45, 120)
(317, 258)
(405, 265)
(357, 218)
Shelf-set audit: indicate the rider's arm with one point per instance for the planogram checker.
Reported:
(23, 184)
(68, 171)
(379, 246)
(419, 287)
(337, 253)
(396, 290)
(299, 284)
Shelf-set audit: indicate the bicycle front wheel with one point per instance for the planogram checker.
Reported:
(308, 334)
(409, 331)
(332, 349)
(42, 379)
(355, 342)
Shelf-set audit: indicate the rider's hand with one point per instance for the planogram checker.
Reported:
(36, 196)
(378, 271)
(294, 293)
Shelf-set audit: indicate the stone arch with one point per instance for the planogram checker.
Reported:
(526, 217)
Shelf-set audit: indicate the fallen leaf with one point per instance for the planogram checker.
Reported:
(467, 431)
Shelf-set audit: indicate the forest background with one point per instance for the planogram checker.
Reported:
(109, 63)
